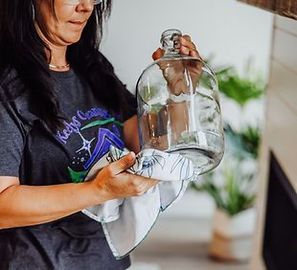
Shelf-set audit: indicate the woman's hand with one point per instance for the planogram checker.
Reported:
(114, 182)
(187, 48)
(174, 71)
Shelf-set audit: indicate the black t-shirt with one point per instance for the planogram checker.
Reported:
(31, 152)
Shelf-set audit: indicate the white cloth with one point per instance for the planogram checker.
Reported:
(126, 222)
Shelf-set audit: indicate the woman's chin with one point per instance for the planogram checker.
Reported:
(72, 39)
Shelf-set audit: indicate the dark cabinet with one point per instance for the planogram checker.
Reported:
(286, 8)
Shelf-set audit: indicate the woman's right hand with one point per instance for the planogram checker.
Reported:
(114, 182)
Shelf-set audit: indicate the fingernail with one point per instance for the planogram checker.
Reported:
(132, 155)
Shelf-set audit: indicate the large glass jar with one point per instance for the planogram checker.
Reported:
(178, 107)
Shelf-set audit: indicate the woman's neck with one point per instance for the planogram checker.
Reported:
(57, 58)
(57, 55)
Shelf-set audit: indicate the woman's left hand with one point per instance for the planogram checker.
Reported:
(173, 72)
(187, 48)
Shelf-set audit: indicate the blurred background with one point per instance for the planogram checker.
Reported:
(224, 220)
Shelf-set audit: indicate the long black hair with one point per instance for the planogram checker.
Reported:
(22, 49)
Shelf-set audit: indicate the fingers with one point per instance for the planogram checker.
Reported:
(187, 42)
(158, 54)
(188, 47)
(143, 184)
(114, 182)
(122, 164)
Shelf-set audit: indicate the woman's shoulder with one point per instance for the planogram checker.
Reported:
(14, 99)
(11, 86)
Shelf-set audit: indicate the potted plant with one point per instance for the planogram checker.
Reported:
(232, 184)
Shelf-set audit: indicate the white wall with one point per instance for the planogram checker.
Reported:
(231, 31)
(281, 120)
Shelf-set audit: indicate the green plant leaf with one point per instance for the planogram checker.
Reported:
(250, 138)
(243, 143)
(235, 87)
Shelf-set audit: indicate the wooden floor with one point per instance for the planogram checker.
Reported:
(179, 243)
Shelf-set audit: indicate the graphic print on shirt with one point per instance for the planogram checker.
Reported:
(91, 151)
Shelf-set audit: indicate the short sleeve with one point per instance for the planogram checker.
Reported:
(131, 105)
(128, 100)
(11, 141)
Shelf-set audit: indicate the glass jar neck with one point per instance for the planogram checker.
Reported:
(170, 42)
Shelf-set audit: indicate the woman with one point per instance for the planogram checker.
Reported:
(61, 107)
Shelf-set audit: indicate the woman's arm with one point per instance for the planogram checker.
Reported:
(131, 137)
(22, 205)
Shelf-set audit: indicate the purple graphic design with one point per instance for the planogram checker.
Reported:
(106, 138)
